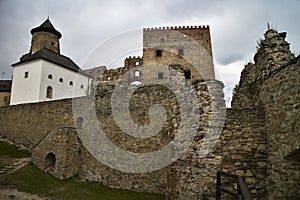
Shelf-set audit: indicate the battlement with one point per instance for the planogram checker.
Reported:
(176, 28)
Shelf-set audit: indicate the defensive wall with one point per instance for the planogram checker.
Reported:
(260, 138)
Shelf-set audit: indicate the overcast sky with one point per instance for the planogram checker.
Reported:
(235, 26)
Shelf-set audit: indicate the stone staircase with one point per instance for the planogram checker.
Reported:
(15, 165)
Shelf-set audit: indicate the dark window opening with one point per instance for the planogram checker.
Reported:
(26, 74)
(187, 74)
(61, 80)
(71, 83)
(160, 75)
(50, 76)
(49, 93)
(81, 87)
(158, 53)
(180, 52)
(52, 43)
(79, 122)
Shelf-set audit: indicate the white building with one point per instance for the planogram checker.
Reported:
(44, 74)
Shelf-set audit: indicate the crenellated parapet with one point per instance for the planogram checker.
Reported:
(176, 28)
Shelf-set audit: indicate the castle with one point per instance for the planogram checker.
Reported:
(260, 138)
(44, 74)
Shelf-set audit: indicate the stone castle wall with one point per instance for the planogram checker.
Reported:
(281, 97)
(245, 148)
(260, 139)
(48, 129)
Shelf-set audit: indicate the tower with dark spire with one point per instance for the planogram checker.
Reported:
(44, 36)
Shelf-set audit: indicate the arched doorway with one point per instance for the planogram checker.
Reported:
(50, 162)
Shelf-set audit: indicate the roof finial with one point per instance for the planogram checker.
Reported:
(268, 25)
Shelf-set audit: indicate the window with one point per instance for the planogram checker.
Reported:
(50, 76)
(49, 93)
(137, 63)
(52, 43)
(160, 75)
(61, 80)
(71, 83)
(81, 87)
(26, 74)
(108, 78)
(137, 73)
(180, 52)
(158, 53)
(187, 74)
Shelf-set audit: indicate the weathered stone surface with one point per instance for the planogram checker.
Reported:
(260, 139)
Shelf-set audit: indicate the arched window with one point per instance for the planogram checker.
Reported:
(61, 80)
(81, 87)
(49, 93)
(137, 73)
(50, 76)
(71, 83)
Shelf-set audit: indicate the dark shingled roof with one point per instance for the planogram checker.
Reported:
(53, 57)
(48, 27)
(5, 85)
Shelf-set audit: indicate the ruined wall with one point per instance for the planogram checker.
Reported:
(281, 96)
(273, 51)
(245, 148)
(116, 74)
(273, 82)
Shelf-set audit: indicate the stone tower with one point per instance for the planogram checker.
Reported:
(188, 46)
(44, 36)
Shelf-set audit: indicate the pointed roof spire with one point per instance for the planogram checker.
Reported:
(46, 26)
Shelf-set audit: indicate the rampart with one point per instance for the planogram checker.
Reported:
(259, 141)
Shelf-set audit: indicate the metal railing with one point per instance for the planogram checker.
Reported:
(242, 192)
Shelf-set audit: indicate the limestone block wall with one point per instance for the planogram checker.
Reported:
(281, 96)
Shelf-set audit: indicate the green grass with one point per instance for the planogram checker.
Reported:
(7, 150)
(33, 180)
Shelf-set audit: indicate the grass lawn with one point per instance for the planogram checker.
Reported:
(7, 150)
(33, 180)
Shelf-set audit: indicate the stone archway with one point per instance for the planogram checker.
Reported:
(50, 161)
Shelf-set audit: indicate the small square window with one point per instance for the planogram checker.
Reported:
(160, 75)
(158, 53)
(26, 74)
(180, 52)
